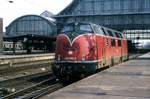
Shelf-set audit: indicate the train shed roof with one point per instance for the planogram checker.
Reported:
(31, 25)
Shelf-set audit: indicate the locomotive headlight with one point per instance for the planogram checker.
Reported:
(70, 52)
(83, 58)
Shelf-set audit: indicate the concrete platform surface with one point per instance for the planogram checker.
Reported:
(3, 57)
(9, 60)
(128, 80)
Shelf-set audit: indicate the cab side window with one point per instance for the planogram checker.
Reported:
(117, 34)
(95, 29)
(113, 43)
(119, 42)
(120, 35)
(105, 33)
(100, 31)
(110, 33)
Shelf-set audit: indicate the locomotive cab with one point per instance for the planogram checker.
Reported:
(76, 52)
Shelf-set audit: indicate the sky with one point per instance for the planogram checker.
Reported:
(11, 11)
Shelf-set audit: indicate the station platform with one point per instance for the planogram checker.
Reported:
(128, 80)
(3, 57)
(9, 59)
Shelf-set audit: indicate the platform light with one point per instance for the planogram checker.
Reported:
(43, 69)
(10, 1)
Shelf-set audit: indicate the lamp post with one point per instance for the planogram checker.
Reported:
(138, 43)
(1, 35)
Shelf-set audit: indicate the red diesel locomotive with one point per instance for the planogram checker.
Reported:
(82, 48)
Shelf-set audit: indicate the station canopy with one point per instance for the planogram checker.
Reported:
(32, 26)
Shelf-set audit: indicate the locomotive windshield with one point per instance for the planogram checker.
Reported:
(77, 28)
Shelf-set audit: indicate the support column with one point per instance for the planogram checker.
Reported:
(28, 46)
(45, 46)
(1, 35)
(14, 47)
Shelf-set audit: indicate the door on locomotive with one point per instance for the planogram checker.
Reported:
(100, 38)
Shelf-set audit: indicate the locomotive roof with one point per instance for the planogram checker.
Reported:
(92, 24)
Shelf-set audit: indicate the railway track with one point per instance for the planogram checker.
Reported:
(26, 77)
(29, 86)
(36, 90)
(15, 84)
(17, 67)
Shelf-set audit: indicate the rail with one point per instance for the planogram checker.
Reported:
(35, 90)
